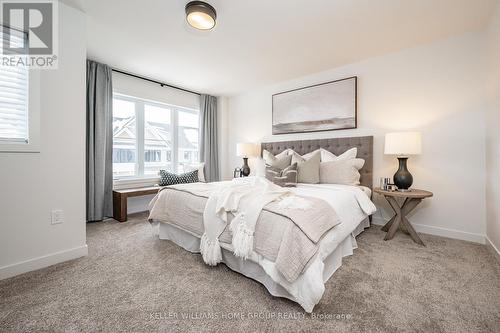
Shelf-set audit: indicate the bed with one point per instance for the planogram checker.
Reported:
(178, 212)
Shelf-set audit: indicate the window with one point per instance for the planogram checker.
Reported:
(149, 136)
(14, 94)
(158, 136)
(187, 134)
(152, 156)
(124, 138)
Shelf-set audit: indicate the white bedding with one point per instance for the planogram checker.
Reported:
(353, 206)
(351, 203)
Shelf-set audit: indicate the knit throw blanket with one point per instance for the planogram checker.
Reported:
(244, 198)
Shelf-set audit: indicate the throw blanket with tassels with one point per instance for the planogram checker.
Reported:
(244, 198)
(287, 231)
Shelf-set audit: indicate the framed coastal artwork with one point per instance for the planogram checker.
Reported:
(321, 107)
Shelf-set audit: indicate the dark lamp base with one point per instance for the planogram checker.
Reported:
(403, 178)
(245, 169)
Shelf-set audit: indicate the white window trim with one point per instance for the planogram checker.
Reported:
(33, 144)
(147, 180)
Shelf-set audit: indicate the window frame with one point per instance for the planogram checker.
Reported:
(32, 144)
(140, 179)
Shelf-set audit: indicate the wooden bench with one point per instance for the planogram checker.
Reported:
(120, 200)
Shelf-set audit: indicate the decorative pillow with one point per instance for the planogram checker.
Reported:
(308, 169)
(168, 178)
(286, 177)
(280, 161)
(344, 172)
(200, 167)
(327, 156)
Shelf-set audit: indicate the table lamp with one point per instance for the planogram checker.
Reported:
(246, 150)
(403, 144)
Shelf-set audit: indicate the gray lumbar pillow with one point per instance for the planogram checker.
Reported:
(280, 161)
(308, 169)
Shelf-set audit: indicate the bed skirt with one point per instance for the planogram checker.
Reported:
(251, 269)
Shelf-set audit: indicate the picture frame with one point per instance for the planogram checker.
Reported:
(327, 106)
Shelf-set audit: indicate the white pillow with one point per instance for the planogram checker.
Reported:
(200, 167)
(344, 172)
(309, 155)
(269, 158)
(327, 156)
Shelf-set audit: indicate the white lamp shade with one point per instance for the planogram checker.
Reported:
(403, 143)
(247, 150)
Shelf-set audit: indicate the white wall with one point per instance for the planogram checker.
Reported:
(493, 134)
(131, 86)
(223, 119)
(33, 184)
(436, 89)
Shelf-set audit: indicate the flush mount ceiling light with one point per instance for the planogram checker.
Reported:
(200, 15)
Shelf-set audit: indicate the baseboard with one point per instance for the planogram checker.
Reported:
(42, 262)
(438, 231)
(493, 248)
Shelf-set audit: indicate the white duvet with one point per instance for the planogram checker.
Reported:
(353, 205)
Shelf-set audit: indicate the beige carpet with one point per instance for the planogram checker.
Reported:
(134, 282)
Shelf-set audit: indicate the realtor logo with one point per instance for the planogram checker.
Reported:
(29, 33)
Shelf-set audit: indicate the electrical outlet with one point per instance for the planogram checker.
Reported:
(57, 217)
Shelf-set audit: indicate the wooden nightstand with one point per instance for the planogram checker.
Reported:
(411, 200)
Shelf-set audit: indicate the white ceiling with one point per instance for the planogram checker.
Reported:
(260, 42)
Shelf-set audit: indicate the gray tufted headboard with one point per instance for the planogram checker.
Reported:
(334, 145)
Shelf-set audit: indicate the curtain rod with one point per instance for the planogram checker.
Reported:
(163, 84)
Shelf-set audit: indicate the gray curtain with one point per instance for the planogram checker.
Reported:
(99, 141)
(209, 151)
